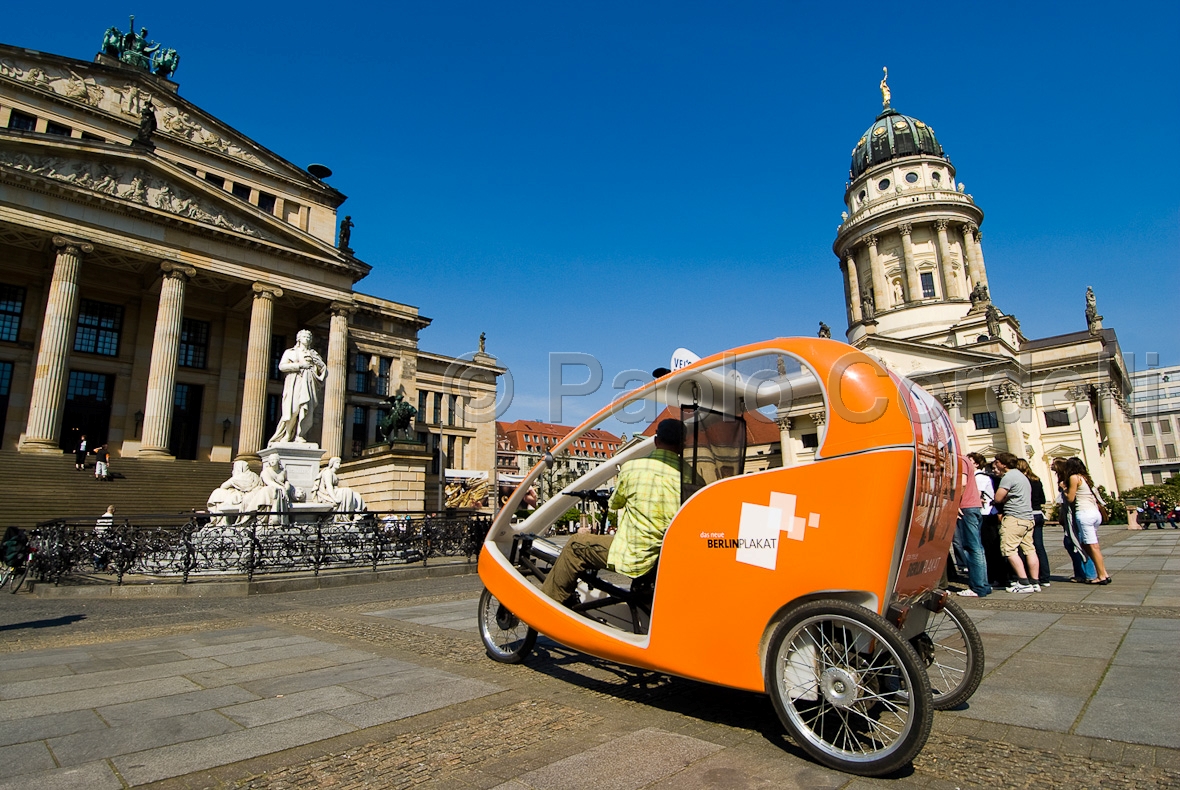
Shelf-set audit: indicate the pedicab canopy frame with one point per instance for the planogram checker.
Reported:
(868, 522)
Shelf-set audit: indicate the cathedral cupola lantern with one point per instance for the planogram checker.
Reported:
(909, 243)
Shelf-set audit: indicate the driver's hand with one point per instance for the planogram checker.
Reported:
(583, 530)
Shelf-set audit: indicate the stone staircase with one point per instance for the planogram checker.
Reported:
(45, 487)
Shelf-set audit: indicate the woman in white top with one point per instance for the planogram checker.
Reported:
(1078, 490)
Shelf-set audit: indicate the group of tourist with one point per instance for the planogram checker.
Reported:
(999, 537)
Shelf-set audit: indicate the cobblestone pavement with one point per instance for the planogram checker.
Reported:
(1080, 687)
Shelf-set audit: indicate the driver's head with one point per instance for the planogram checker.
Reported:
(670, 435)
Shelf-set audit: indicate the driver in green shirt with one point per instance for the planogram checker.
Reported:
(647, 497)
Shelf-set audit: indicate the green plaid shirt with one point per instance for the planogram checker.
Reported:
(647, 497)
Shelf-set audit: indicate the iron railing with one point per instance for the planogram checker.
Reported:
(197, 545)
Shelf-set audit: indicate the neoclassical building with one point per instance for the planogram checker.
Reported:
(918, 299)
(155, 263)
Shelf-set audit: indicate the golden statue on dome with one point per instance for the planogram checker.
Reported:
(885, 89)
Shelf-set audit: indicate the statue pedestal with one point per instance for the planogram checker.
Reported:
(301, 460)
(390, 478)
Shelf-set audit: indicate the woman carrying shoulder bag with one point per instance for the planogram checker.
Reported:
(1079, 492)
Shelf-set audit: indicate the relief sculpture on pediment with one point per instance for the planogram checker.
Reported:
(127, 102)
(129, 183)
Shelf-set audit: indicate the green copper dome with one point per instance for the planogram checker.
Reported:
(891, 136)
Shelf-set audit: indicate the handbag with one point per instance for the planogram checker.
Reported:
(1102, 511)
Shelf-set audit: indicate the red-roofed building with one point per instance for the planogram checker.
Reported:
(521, 444)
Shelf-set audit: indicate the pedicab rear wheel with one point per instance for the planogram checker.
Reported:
(952, 650)
(848, 688)
(506, 638)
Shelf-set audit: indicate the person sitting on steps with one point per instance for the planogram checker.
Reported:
(647, 497)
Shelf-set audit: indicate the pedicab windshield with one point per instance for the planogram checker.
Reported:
(732, 410)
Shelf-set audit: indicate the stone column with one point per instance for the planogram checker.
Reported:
(953, 403)
(57, 327)
(161, 390)
(912, 278)
(980, 269)
(882, 295)
(950, 283)
(1118, 437)
(332, 437)
(253, 420)
(1010, 414)
(852, 283)
(821, 420)
(784, 438)
(969, 265)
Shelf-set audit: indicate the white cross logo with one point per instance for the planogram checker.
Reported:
(760, 525)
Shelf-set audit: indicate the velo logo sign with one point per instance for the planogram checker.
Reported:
(761, 527)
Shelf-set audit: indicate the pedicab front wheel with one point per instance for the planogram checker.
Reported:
(848, 688)
(506, 638)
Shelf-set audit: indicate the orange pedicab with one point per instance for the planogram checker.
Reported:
(823, 573)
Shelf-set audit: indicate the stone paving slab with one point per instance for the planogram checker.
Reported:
(84, 747)
(36, 728)
(92, 776)
(24, 758)
(176, 705)
(183, 758)
(290, 706)
(628, 763)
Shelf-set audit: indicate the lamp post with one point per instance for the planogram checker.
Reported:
(226, 424)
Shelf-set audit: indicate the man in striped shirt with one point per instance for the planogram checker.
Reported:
(647, 497)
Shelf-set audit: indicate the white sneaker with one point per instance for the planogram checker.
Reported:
(1036, 587)
(968, 593)
(1023, 588)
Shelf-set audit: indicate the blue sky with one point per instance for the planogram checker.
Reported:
(620, 179)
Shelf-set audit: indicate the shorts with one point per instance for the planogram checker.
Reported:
(1087, 523)
(1016, 533)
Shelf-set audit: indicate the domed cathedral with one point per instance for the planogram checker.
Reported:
(919, 300)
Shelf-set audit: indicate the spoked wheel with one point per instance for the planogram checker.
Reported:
(952, 651)
(15, 577)
(506, 638)
(848, 688)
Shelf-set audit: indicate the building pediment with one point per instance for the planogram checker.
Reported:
(129, 180)
(122, 93)
(926, 357)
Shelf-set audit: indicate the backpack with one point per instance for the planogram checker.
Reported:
(16, 546)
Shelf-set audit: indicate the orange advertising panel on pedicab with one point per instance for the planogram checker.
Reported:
(813, 578)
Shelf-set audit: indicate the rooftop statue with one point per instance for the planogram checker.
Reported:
(1093, 320)
(346, 226)
(885, 94)
(136, 50)
(993, 321)
(824, 330)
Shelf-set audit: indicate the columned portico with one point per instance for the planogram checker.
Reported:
(157, 413)
(49, 380)
(252, 421)
(332, 438)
